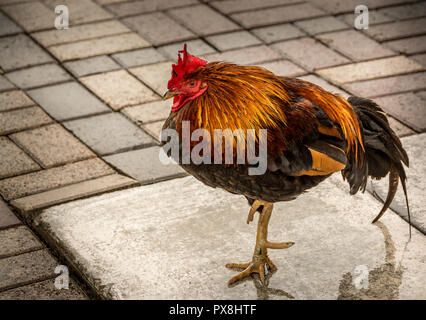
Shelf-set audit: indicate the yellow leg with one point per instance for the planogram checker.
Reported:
(260, 256)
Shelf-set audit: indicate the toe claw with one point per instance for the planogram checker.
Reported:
(278, 245)
(237, 265)
(241, 275)
(262, 273)
(272, 267)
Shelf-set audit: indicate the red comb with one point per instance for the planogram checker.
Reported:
(185, 65)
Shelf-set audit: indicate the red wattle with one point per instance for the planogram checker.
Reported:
(180, 100)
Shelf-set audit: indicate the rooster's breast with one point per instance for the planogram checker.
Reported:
(272, 186)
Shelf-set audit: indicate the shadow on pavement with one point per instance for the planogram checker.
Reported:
(383, 281)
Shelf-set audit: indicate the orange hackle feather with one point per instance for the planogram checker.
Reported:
(238, 97)
(244, 97)
(247, 97)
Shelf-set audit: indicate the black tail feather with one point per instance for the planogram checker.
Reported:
(383, 151)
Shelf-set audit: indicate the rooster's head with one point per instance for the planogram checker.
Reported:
(182, 87)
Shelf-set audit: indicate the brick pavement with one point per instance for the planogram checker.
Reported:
(81, 109)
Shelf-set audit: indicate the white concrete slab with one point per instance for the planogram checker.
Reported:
(171, 240)
(416, 183)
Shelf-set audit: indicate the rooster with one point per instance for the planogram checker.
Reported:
(311, 134)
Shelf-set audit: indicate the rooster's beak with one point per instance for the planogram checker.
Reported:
(170, 94)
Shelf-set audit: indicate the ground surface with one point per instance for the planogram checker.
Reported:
(80, 114)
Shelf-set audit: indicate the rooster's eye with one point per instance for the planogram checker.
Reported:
(192, 84)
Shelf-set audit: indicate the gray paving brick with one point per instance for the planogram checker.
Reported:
(14, 99)
(5, 84)
(421, 94)
(338, 6)
(203, 20)
(355, 45)
(20, 51)
(14, 160)
(233, 40)
(109, 133)
(119, 89)
(408, 45)
(325, 85)
(148, 112)
(107, 2)
(420, 58)
(158, 29)
(138, 7)
(44, 180)
(396, 30)
(72, 192)
(407, 108)
(245, 5)
(81, 11)
(321, 25)
(144, 165)
(413, 10)
(252, 55)
(283, 68)
(374, 17)
(155, 76)
(278, 33)
(154, 129)
(67, 100)
(52, 145)
(7, 26)
(400, 129)
(6, 2)
(380, 87)
(21, 119)
(139, 57)
(26, 268)
(44, 290)
(99, 46)
(195, 47)
(80, 32)
(18, 240)
(85, 67)
(7, 218)
(310, 53)
(32, 16)
(270, 16)
(370, 69)
(38, 76)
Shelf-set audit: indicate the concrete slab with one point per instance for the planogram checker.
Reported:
(416, 183)
(171, 240)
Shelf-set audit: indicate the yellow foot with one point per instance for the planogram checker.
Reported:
(256, 266)
(260, 256)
